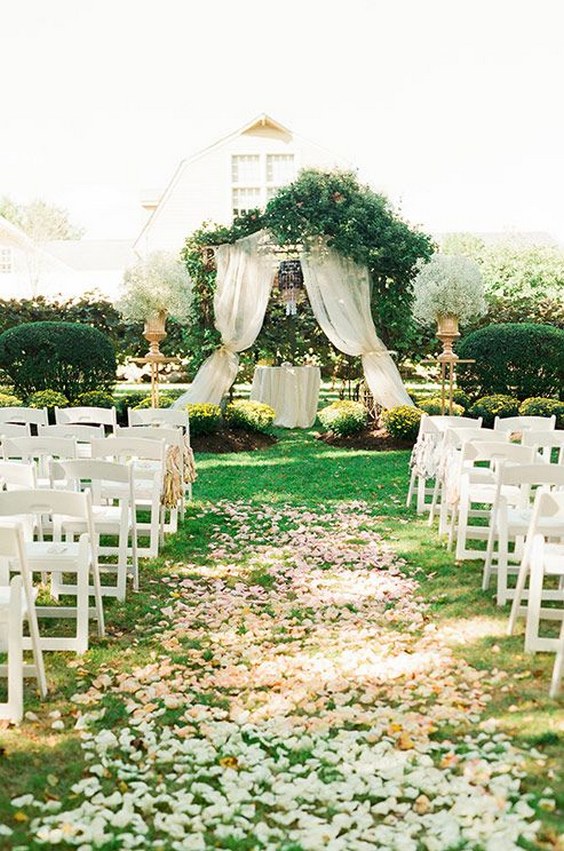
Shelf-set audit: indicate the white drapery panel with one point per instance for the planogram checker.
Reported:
(243, 284)
(339, 293)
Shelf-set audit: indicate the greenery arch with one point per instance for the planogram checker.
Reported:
(356, 222)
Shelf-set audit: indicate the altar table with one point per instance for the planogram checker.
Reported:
(292, 391)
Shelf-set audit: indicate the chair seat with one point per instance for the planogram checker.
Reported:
(43, 552)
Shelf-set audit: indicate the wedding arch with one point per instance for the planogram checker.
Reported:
(339, 270)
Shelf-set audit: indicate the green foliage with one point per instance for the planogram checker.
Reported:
(344, 417)
(40, 220)
(498, 405)
(403, 422)
(432, 405)
(95, 399)
(9, 401)
(47, 399)
(166, 398)
(62, 356)
(517, 359)
(537, 406)
(204, 418)
(250, 416)
(131, 399)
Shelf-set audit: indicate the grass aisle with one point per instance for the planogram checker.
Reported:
(304, 668)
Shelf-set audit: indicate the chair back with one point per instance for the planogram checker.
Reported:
(171, 436)
(80, 433)
(68, 503)
(510, 453)
(18, 475)
(87, 415)
(443, 421)
(129, 448)
(41, 449)
(524, 423)
(546, 442)
(168, 417)
(25, 416)
(14, 430)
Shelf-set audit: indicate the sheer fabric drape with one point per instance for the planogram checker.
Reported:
(339, 292)
(243, 284)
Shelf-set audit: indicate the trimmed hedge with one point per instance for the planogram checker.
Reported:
(47, 399)
(433, 406)
(344, 417)
(95, 399)
(204, 418)
(516, 359)
(251, 416)
(62, 356)
(403, 422)
(490, 407)
(537, 406)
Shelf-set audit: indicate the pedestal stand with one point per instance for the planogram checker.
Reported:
(155, 362)
(447, 362)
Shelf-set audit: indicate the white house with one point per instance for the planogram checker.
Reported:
(61, 269)
(237, 173)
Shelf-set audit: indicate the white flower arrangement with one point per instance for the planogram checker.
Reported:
(448, 285)
(159, 283)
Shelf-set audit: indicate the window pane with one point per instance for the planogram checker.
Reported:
(280, 169)
(245, 199)
(5, 261)
(245, 169)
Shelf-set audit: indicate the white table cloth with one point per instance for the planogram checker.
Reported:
(292, 391)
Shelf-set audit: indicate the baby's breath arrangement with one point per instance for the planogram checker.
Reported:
(448, 285)
(158, 283)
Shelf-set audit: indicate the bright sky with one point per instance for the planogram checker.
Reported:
(452, 107)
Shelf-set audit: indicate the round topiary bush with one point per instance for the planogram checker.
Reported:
(403, 422)
(64, 356)
(433, 406)
(95, 399)
(47, 399)
(516, 359)
(490, 407)
(537, 406)
(204, 418)
(344, 417)
(251, 416)
(9, 401)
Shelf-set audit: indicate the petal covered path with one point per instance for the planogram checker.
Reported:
(298, 696)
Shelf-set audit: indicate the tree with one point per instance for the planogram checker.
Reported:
(42, 222)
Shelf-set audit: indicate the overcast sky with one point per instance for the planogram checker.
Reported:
(454, 108)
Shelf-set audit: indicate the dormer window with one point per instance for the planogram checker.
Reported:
(255, 178)
(6, 261)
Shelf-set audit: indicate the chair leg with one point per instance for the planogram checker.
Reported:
(558, 669)
(15, 653)
(409, 490)
(532, 624)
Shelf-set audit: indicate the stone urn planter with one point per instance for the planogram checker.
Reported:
(448, 333)
(155, 332)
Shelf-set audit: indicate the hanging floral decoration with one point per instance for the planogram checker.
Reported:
(291, 284)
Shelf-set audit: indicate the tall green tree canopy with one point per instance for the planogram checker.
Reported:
(40, 220)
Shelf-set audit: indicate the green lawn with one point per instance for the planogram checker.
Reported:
(298, 474)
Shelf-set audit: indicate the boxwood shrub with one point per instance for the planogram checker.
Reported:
(537, 406)
(433, 406)
(204, 418)
(9, 401)
(63, 356)
(344, 417)
(403, 422)
(251, 416)
(95, 399)
(47, 399)
(490, 407)
(514, 359)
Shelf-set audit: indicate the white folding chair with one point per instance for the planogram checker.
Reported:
(164, 418)
(425, 457)
(148, 458)
(82, 434)
(477, 492)
(24, 416)
(518, 424)
(112, 516)
(17, 605)
(17, 475)
(57, 557)
(543, 555)
(87, 415)
(174, 440)
(15, 430)
(548, 444)
(558, 670)
(42, 450)
(510, 519)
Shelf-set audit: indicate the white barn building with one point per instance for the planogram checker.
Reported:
(240, 172)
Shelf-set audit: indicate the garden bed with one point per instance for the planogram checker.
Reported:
(231, 440)
(376, 439)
